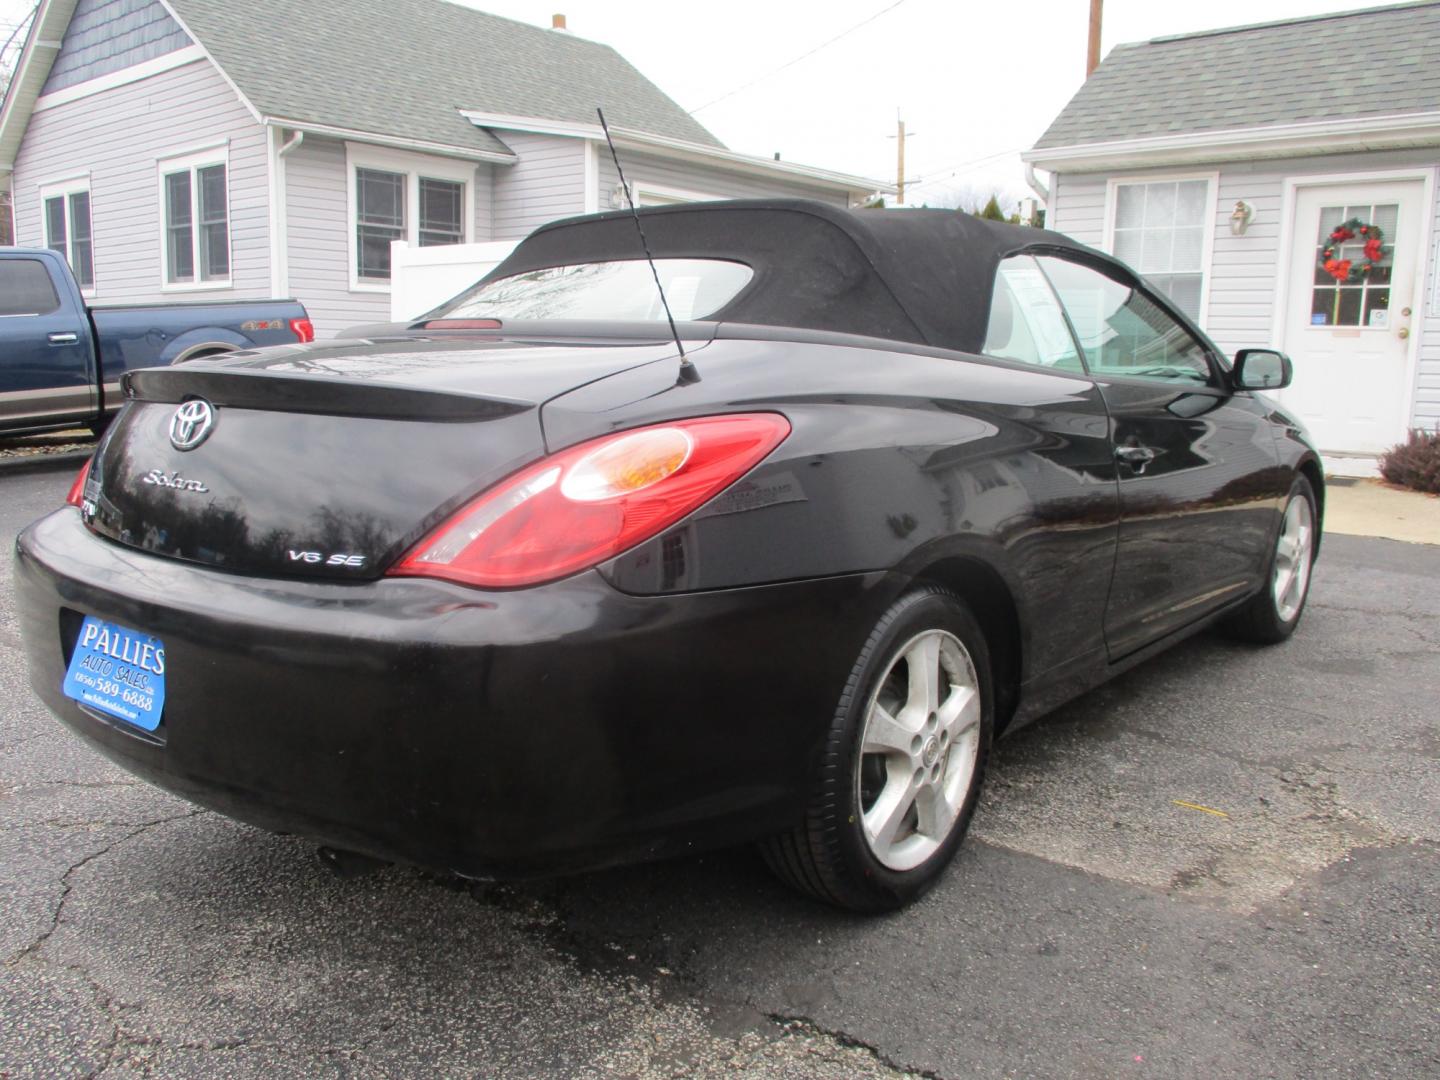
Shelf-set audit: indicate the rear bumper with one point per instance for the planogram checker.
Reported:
(494, 734)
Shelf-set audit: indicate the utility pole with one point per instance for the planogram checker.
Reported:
(900, 136)
(1092, 59)
(900, 161)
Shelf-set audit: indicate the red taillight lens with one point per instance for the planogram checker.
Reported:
(577, 508)
(303, 329)
(461, 324)
(77, 489)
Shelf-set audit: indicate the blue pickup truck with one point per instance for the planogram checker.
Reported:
(61, 361)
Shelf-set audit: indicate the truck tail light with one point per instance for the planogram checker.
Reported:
(575, 509)
(303, 329)
(76, 495)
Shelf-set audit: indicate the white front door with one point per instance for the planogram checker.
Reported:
(1350, 339)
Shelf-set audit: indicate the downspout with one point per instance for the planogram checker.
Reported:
(1036, 186)
(280, 276)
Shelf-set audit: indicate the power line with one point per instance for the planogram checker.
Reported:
(802, 56)
(958, 167)
(23, 22)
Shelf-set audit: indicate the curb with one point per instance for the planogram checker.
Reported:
(34, 463)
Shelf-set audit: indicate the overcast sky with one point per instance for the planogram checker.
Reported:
(974, 81)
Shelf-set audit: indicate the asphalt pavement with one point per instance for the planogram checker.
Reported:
(1224, 864)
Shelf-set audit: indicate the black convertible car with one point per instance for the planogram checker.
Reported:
(530, 586)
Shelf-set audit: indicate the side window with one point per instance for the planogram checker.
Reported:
(25, 288)
(1026, 323)
(1123, 331)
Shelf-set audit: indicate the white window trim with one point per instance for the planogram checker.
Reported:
(64, 188)
(1207, 251)
(215, 154)
(413, 166)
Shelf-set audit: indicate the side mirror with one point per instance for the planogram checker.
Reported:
(1261, 369)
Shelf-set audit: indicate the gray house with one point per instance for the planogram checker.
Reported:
(1232, 166)
(274, 147)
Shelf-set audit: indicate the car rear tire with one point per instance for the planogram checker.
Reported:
(903, 762)
(1271, 615)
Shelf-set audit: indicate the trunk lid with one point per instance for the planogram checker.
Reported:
(331, 461)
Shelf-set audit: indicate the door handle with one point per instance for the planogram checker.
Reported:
(1138, 456)
(64, 337)
(1404, 332)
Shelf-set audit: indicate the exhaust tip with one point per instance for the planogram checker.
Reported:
(348, 864)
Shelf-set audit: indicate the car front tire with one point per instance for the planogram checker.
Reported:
(1272, 614)
(903, 762)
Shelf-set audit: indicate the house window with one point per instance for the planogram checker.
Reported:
(397, 196)
(194, 197)
(380, 218)
(1161, 229)
(442, 212)
(67, 227)
(1362, 298)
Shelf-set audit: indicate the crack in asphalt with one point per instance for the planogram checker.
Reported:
(796, 1023)
(67, 885)
(1419, 619)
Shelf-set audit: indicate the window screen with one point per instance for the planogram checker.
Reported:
(380, 219)
(214, 226)
(82, 251)
(442, 212)
(179, 228)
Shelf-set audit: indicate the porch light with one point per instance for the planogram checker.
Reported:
(1240, 218)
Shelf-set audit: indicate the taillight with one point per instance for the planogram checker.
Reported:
(461, 324)
(575, 509)
(77, 489)
(303, 329)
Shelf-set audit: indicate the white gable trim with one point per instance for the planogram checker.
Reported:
(1277, 140)
(208, 56)
(31, 71)
(190, 54)
(679, 148)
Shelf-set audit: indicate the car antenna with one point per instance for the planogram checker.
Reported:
(688, 371)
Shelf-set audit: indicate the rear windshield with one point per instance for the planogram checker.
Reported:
(695, 288)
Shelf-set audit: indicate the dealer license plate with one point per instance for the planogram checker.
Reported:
(119, 671)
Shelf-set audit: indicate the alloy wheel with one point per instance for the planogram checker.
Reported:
(919, 749)
(1291, 575)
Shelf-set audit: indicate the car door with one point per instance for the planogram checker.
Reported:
(1196, 464)
(45, 370)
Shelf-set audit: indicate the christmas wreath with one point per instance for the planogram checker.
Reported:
(1343, 270)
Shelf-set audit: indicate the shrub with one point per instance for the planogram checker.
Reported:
(1414, 463)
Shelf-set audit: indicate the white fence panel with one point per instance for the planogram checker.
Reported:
(421, 277)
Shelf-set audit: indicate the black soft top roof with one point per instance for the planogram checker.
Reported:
(923, 276)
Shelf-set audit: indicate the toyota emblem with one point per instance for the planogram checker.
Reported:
(192, 423)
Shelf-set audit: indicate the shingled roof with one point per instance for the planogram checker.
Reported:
(1376, 62)
(403, 68)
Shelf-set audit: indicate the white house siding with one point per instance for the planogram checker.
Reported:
(117, 136)
(548, 182)
(1241, 308)
(318, 227)
(648, 171)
